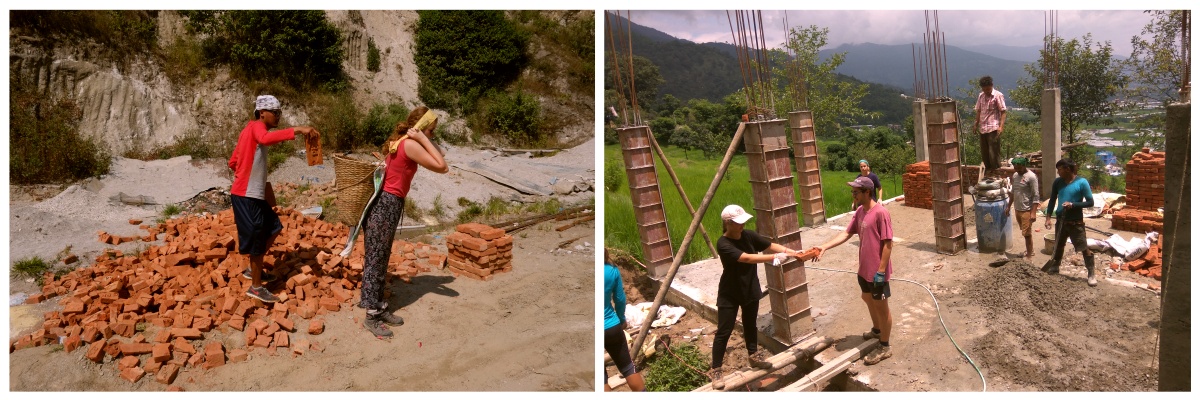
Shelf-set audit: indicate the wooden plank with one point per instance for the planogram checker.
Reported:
(819, 378)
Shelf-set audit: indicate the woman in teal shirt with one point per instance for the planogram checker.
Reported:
(1069, 195)
(614, 328)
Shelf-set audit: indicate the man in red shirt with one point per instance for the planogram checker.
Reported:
(873, 225)
(257, 223)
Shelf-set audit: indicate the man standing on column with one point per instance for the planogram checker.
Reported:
(990, 114)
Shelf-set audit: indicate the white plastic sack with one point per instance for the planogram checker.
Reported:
(635, 315)
(1132, 249)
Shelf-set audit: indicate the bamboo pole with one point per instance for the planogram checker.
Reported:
(687, 239)
(805, 349)
(819, 378)
(691, 210)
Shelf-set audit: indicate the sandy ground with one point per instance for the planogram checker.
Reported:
(531, 329)
(1028, 331)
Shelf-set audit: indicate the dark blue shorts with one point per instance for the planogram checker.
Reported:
(256, 224)
(883, 291)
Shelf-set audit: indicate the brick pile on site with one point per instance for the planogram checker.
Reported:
(1150, 265)
(478, 251)
(918, 189)
(1145, 193)
(159, 312)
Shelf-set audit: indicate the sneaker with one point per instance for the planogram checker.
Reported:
(386, 317)
(377, 327)
(871, 334)
(758, 360)
(262, 294)
(718, 380)
(266, 277)
(880, 354)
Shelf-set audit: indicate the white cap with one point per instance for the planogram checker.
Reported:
(735, 213)
(266, 102)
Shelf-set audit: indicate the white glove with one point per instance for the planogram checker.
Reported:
(780, 258)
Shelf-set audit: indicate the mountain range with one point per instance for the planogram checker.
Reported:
(710, 70)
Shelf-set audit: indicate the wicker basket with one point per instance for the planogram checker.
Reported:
(354, 188)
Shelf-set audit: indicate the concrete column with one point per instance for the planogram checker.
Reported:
(919, 139)
(1175, 329)
(1051, 137)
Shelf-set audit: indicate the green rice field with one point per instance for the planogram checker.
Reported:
(696, 174)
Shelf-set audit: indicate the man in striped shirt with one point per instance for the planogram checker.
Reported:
(990, 114)
(257, 223)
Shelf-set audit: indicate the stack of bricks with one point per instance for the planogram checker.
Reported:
(479, 251)
(1150, 265)
(166, 302)
(1145, 191)
(918, 189)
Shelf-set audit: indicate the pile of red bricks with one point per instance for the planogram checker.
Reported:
(1150, 265)
(1145, 193)
(918, 189)
(478, 251)
(155, 312)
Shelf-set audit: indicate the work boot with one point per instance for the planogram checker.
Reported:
(758, 360)
(718, 380)
(1089, 261)
(1051, 267)
(376, 325)
(880, 354)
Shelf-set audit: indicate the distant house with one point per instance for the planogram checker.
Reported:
(1106, 157)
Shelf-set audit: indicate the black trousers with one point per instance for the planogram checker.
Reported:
(726, 317)
(989, 147)
(1074, 230)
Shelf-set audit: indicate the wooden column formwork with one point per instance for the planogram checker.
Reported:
(776, 216)
(808, 169)
(942, 136)
(647, 199)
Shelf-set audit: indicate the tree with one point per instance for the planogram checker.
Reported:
(1157, 62)
(301, 48)
(646, 80)
(1089, 78)
(463, 54)
(833, 102)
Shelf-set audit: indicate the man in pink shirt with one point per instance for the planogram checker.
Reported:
(990, 114)
(873, 225)
(257, 223)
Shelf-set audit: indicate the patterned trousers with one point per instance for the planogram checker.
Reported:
(379, 231)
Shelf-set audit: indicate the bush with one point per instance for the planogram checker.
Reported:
(45, 143)
(32, 267)
(124, 29)
(300, 48)
(614, 176)
(460, 55)
(372, 56)
(380, 121)
(338, 120)
(518, 116)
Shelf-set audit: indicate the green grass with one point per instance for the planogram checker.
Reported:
(666, 373)
(620, 227)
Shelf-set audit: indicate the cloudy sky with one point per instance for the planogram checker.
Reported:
(961, 28)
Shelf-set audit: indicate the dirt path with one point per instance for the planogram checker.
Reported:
(529, 329)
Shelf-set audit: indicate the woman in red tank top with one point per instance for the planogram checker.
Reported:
(407, 148)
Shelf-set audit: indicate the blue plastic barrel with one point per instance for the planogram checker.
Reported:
(993, 227)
